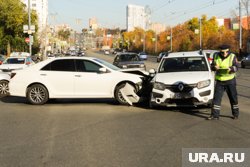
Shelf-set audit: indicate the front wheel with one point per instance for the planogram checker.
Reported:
(4, 88)
(118, 95)
(37, 94)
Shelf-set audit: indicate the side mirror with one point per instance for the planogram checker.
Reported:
(152, 71)
(102, 70)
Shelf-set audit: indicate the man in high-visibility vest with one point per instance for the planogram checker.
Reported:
(225, 66)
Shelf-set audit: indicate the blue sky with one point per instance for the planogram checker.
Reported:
(112, 13)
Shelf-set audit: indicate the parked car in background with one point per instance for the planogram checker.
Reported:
(210, 54)
(161, 55)
(245, 62)
(183, 79)
(116, 50)
(129, 60)
(106, 52)
(16, 61)
(2, 58)
(73, 77)
(143, 56)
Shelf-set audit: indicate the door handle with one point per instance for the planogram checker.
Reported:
(43, 74)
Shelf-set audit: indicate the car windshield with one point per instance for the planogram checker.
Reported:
(111, 66)
(14, 61)
(183, 64)
(128, 57)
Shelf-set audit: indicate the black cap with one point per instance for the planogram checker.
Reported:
(224, 47)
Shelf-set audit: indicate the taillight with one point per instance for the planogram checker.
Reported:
(210, 60)
(12, 75)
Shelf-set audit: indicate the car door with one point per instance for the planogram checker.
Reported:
(58, 77)
(90, 82)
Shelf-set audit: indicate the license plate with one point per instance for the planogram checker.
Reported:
(181, 95)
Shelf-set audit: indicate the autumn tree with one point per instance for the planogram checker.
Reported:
(64, 34)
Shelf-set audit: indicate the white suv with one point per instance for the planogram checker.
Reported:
(183, 79)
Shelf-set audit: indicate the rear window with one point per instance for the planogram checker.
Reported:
(128, 57)
(14, 61)
(183, 64)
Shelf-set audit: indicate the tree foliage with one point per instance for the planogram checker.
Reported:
(64, 34)
(186, 38)
(12, 18)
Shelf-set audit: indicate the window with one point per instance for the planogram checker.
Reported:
(60, 65)
(15, 61)
(129, 57)
(87, 66)
(181, 64)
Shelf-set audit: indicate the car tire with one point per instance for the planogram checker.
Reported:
(37, 94)
(118, 96)
(4, 88)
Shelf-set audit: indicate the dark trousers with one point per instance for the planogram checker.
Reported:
(230, 88)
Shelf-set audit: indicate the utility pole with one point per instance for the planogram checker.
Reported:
(240, 40)
(144, 40)
(29, 30)
(171, 39)
(200, 34)
(156, 43)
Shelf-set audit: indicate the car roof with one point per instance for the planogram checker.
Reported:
(210, 51)
(127, 53)
(42, 63)
(19, 54)
(184, 54)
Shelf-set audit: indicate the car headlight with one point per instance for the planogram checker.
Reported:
(203, 84)
(124, 66)
(159, 86)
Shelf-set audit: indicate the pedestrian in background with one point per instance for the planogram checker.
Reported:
(225, 66)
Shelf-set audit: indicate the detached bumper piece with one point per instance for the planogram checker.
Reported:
(129, 95)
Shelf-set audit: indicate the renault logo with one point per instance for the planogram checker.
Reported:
(181, 86)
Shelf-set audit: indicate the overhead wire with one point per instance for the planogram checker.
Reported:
(189, 11)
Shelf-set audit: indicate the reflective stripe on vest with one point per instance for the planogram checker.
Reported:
(223, 75)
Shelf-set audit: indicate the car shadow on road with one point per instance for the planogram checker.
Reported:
(201, 111)
(12, 99)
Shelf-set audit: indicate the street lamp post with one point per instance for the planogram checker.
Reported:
(200, 34)
(240, 40)
(144, 41)
(171, 39)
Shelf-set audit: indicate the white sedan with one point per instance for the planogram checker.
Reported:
(72, 77)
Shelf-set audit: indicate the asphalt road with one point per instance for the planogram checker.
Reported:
(100, 133)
